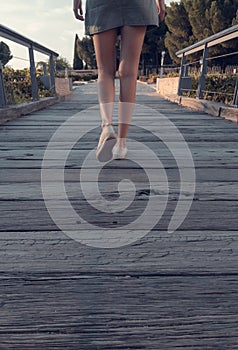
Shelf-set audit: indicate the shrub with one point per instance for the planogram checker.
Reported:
(85, 77)
(143, 78)
(218, 87)
(18, 85)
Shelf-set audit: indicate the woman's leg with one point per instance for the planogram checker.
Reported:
(104, 44)
(132, 38)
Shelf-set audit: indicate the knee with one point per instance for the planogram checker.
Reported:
(126, 72)
(105, 72)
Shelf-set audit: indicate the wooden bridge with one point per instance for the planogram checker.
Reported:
(164, 291)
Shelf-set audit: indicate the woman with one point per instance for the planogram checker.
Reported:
(104, 20)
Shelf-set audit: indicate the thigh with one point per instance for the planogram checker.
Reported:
(104, 45)
(132, 38)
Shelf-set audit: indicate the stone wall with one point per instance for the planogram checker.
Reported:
(63, 86)
(169, 86)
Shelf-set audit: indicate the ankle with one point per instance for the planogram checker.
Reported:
(121, 142)
(105, 124)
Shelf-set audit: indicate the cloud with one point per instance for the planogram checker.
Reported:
(51, 24)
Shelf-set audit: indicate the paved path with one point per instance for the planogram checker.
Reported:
(164, 291)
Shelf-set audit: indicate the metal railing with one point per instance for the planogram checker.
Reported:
(32, 46)
(204, 45)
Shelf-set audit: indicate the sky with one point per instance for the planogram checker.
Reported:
(50, 23)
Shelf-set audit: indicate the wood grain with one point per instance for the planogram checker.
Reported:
(165, 291)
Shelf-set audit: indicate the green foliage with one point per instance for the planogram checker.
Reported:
(18, 85)
(153, 46)
(218, 87)
(89, 77)
(78, 63)
(40, 64)
(85, 77)
(199, 19)
(208, 17)
(190, 21)
(85, 50)
(223, 86)
(235, 20)
(179, 34)
(5, 53)
(61, 63)
(186, 22)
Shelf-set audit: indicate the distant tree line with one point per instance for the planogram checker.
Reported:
(190, 21)
(186, 22)
(84, 55)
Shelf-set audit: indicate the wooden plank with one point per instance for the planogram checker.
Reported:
(219, 174)
(209, 252)
(71, 164)
(108, 188)
(49, 122)
(193, 145)
(164, 291)
(98, 319)
(191, 135)
(24, 215)
(209, 155)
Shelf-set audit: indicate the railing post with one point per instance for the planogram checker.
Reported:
(182, 71)
(3, 100)
(34, 85)
(52, 73)
(162, 64)
(235, 96)
(44, 69)
(186, 70)
(201, 84)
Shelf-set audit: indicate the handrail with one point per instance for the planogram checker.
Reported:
(224, 35)
(205, 44)
(10, 34)
(32, 46)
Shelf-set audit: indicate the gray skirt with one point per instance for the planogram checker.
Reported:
(102, 15)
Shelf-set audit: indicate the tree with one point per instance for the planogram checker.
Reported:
(86, 52)
(193, 20)
(61, 63)
(199, 17)
(78, 63)
(40, 65)
(179, 34)
(235, 20)
(208, 17)
(5, 53)
(153, 46)
(222, 14)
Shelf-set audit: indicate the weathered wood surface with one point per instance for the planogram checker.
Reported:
(165, 291)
